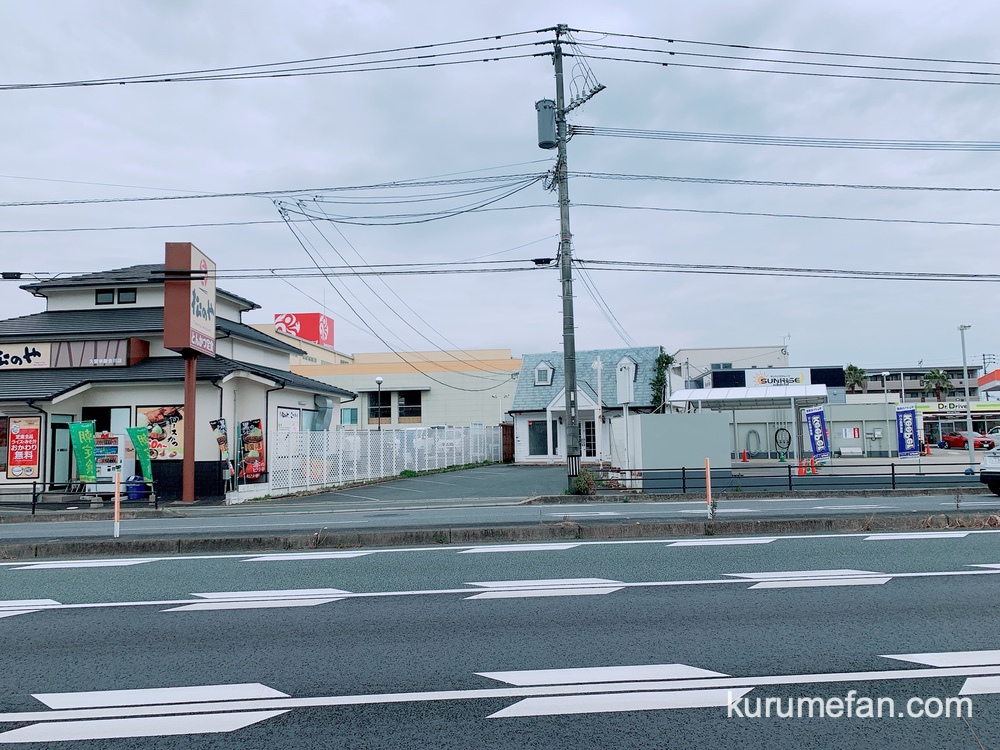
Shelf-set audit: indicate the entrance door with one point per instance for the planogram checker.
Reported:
(59, 454)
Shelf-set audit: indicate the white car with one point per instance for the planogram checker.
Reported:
(989, 470)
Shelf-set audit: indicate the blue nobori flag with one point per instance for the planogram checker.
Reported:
(816, 425)
(906, 432)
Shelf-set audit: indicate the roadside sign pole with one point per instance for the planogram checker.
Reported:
(118, 504)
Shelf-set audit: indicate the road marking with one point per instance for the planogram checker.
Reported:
(78, 731)
(599, 704)
(66, 564)
(818, 582)
(951, 658)
(158, 696)
(595, 514)
(261, 599)
(295, 556)
(24, 606)
(555, 547)
(721, 510)
(792, 574)
(213, 709)
(586, 675)
(546, 587)
(720, 542)
(917, 535)
(974, 502)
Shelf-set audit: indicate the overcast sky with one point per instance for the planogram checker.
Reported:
(473, 120)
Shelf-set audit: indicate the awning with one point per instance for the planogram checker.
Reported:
(767, 397)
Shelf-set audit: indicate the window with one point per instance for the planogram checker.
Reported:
(722, 365)
(380, 407)
(126, 296)
(543, 374)
(105, 297)
(409, 407)
(349, 416)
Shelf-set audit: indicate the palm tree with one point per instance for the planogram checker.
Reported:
(937, 380)
(854, 376)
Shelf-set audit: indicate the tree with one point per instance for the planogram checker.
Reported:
(659, 382)
(854, 377)
(937, 380)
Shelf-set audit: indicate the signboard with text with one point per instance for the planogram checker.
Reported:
(906, 432)
(313, 327)
(188, 299)
(818, 439)
(22, 447)
(777, 376)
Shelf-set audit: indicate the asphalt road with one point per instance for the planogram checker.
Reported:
(586, 645)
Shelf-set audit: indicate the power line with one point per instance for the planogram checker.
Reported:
(310, 66)
(790, 50)
(771, 140)
(777, 183)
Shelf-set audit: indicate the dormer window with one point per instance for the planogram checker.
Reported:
(104, 297)
(126, 296)
(543, 374)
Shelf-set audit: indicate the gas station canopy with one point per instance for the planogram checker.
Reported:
(766, 397)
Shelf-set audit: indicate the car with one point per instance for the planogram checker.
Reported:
(961, 440)
(989, 470)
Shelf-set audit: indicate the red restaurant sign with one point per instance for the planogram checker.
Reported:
(188, 299)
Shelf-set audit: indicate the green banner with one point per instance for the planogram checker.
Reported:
(81, 435)
(140, 439)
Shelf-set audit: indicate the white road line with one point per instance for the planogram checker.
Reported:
(297, 556)
(820, 582)
(918, 535)
(542, 583)
(587, 675)
(155, 696)
(719, 542)
(721, 510)
(788, 574)
(851, 507)
(950, 658)
(556, 547)
(592, 704)
(536, 593)
(61, 565)
(594, 514)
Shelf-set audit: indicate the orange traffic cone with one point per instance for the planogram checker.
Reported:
(802, 468)
(745, 459)
(812, 464)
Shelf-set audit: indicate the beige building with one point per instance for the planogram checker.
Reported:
(423, 389)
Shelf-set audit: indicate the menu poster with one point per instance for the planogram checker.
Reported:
(166, 433)
(22, 447)
(252, 463)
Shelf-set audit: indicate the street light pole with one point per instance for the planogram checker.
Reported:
(968, 403)
(378, 382)
(885, 398)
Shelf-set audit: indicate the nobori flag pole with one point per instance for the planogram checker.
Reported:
(553, 133)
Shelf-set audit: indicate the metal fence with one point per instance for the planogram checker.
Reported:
(314, 460)
(791, 477)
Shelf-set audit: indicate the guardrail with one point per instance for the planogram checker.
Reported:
(48, 496)
(791, 477)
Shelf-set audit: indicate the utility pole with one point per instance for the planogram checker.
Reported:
(566, 270)
(553, 132)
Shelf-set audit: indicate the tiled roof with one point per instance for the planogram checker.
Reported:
(531, 397)
(45, 384)
(116, 322)
(140, 275)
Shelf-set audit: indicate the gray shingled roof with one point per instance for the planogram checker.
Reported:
(147, 274)
(64, 325)
(46, 384)
(531, 397)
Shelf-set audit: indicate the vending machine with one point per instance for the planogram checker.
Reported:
(108, 456)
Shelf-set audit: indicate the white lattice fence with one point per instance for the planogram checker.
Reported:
(313, 460)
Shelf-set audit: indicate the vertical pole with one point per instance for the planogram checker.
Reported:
(968, 404)
(708, 486)
(190, 392)
(566, 271)
(599, 417)
(118, 504)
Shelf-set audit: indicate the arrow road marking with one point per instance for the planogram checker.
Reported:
(550, 587)
(918, 535)
(288, 556)
(226, 708)
(720, 542)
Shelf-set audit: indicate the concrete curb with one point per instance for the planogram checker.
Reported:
(963, 490)
(473, 536)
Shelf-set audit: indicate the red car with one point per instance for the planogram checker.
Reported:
(961, 440)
